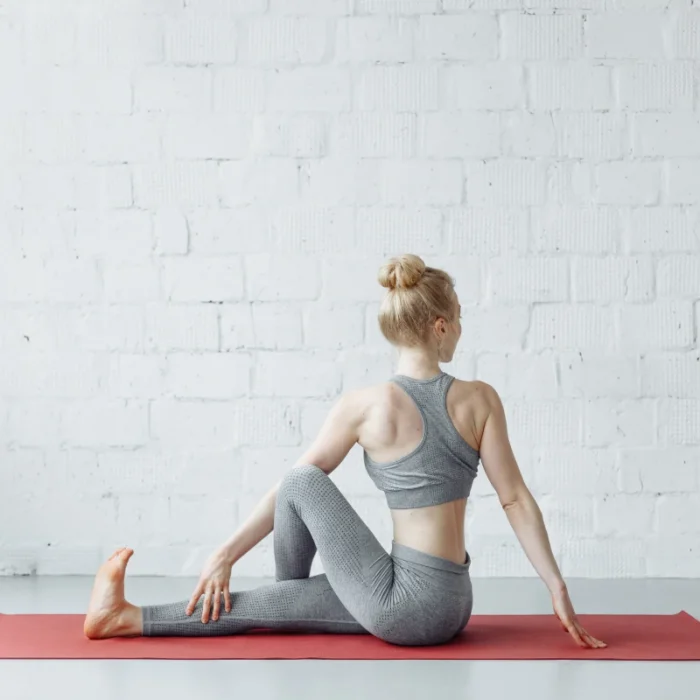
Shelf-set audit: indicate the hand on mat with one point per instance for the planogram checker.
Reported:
(213, 582)
(564, 610)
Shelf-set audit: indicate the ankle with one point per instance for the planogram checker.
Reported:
(131, 620)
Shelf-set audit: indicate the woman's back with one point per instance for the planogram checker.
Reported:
(393, 437)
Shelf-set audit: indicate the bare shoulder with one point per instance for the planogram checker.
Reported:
(355, 404)
(475, 391)
(470, 404)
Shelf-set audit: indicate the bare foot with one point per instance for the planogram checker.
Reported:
(109, 614)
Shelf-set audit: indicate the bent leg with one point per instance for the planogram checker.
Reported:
(312, 514)
(309, 510)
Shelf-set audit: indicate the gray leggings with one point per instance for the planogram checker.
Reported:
(408, 597)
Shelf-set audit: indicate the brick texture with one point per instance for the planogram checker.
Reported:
(195, 199)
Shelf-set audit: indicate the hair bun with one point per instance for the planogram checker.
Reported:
(402, 272)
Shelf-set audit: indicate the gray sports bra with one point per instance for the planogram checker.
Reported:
(443, 466)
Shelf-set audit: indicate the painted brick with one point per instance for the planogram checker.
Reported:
(338, 182)
(103, 423)
(173, 89)
(181, 327)
(482, 231)
(528, 279)
(228, 231)
(661, 325)
(171, 185)
(454, 134)
(653, 85)
(274, 278)
(295, 374)
(133, 376)
(620, 423)
(610, 279)
(207, 375)
(318, 89)
(202, 279)
(572, 327)
(347, 319)
(375, 135)
(265, 182)
(298, 136)
(397, 89)
(275, 326)
(625, 35)
(544, 422)
(656, 471)
(380, 39)
(574, 471)
(675, 375)
(624, 515)
(425, 182)
(194, 38)
(239, 90)
(490, 86)
(196, 197)
(574, 86)
(660, 229)
(388, 230)
(594, 375)
(206, 138)
(314, 229)
(633, 184)
(283, 40)
(459, 38)
(678, 514)
(542, 37)
(679, 421)
(678, 276)
(520, 375)
(577, 230)
(508, 182)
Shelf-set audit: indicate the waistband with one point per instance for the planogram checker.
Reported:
(402, 551)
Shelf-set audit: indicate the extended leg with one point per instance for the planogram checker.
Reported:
(310, 512)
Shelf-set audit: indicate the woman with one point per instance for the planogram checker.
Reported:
(423, 433)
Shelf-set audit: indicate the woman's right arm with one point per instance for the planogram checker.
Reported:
(256, 528)
(216, 573)
(336, 437)
(524, 514)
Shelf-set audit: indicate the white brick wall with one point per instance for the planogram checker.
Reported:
(196, 195)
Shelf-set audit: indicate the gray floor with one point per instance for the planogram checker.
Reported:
(312, 679)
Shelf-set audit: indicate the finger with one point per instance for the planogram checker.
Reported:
(217, 603)
(598, 644)
(194, 600)
(591, 640)
(227, 599)
(207, 605)
(577, 637)
(588, 639)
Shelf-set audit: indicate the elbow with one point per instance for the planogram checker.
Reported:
(517, 498)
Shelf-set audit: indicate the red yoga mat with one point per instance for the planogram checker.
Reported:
(629, 637)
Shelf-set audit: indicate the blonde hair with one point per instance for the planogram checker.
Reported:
(417, 296)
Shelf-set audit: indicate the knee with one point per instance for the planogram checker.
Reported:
(302, 479)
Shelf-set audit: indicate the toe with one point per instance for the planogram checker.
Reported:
(116, 553)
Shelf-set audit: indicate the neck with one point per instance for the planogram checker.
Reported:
(418, 364)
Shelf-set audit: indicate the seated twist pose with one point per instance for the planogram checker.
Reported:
(423, 433)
